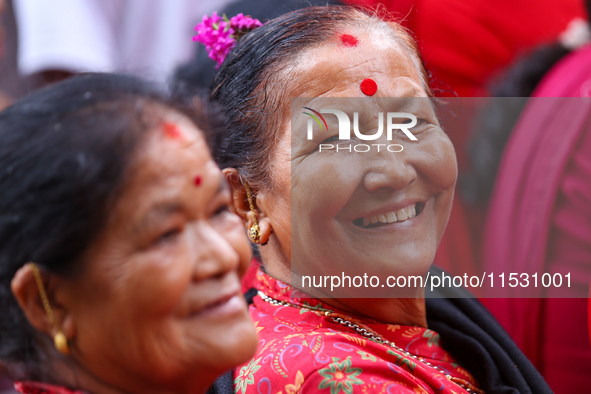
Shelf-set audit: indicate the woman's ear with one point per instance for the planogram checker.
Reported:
(241, 206)
(265, 226)
(239, 200)
(26, 291)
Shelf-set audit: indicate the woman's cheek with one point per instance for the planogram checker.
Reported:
(165, 276)
(232, 229)
(438, 163)
(328, 180)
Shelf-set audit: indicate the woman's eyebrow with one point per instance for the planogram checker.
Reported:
(164, 209)
(158, 212)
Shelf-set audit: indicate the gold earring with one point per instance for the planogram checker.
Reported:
(254, 233)
(59, 340)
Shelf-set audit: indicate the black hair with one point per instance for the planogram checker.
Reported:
(64, 152)
(252, 84)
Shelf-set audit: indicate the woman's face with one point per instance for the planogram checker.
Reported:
(158, 304)
(336, 197)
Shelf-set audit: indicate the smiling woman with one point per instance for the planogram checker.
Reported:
(344, 210)
(119, 271)
(379, 212)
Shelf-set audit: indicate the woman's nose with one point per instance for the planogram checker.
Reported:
(214, 255)
(391, 170)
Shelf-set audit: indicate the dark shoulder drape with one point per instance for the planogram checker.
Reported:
(477, 341)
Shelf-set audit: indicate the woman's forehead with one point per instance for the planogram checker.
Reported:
(340, 69)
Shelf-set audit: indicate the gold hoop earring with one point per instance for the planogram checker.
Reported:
(59, 340)
(254, 233)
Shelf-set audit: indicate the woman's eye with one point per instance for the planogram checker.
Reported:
(331, 139)
(420, 122)
(168, 236)
(222, 209)
(409, 120)
(418, 127)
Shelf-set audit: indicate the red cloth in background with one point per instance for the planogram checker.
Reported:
(43, 388)
(540, 221)
(589, 314)
(464, 43)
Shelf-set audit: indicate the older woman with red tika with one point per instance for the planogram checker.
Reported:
(119, 256)
(341, 210)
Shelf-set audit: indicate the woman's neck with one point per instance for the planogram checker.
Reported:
(402, 311)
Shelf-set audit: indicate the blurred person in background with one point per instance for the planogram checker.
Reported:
(119, 257)
(59, 38)
(6, 386)
(5, 99)
(540, 216)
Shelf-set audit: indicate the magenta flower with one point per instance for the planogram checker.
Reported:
(241, 23)
(220, 35)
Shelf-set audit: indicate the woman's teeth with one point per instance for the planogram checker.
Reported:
(392, 217)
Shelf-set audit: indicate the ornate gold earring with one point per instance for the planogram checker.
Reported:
(59, 340)
(254, 233)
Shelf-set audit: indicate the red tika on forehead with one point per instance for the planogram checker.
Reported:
(197, 180)
(349, 40)
(369, 87)
(171, 130)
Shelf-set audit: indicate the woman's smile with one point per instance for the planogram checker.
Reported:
(395, 213)
(217, 299)
(224, 305)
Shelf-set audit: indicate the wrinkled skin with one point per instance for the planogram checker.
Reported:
(157, 307)
(325, 192)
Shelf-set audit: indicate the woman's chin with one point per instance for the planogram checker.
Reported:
(235, 343)
(244, 342)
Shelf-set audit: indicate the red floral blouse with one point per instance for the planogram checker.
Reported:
(43, 388)
(304, 351)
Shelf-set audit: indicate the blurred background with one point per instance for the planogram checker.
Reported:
(509, 49)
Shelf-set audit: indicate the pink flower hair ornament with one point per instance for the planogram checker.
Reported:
(220, 34)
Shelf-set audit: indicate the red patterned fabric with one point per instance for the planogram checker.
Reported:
(302, 350)
(43, 388)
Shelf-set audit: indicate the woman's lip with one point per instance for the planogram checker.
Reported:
(225, 305)
(395, 226)
(390, 208)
